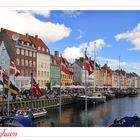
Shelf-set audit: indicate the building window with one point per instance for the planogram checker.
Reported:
(18, 63)
(18, 51)
(33, 63)
(47, 50)
(22, 62)
(39, 48)
(26, 72)
(28, 44)
(26, 61)
(38, 73)
(41, 65)
(34, 54)
(33, 46)
(30, 63)
(42, 73)
(47, 74)
(22, 72)
(43, 49)
(45, 83)
(41, 82)
(22, 52)
(26, 52)
(30, 54)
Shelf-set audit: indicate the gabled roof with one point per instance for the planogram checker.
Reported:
(106, 67)
(121, 72)
(21, 36)
(39, 43)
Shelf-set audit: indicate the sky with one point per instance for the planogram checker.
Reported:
(110, 34)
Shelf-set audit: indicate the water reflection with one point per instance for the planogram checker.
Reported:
(98, 115)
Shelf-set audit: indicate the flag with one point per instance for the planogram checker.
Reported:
(13, 69)
(9, 88)
(36, 89)
(89, 65)
(1, 73)
(5, 75)
(63, 64)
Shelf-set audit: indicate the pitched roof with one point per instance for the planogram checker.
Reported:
(21, 36)
(106, 67)
(39, 43)
(121, 72)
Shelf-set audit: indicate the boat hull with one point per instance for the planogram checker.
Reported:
(91, 100)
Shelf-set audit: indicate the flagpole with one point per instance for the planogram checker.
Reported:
(85, 92)
(31, 90)
(60, 92)
(8, 103)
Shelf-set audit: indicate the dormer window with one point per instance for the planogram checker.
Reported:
(22, 42)
(39, 48)
(28, 44)
(33, 46)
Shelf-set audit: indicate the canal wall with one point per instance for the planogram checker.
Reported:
(40, 103)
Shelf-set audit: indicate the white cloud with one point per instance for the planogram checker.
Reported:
(72, 53)
(77, 51)
(25, 22)
(44, 13)
(114, 64)
(132, 36)
(80, 34)
(72, 13)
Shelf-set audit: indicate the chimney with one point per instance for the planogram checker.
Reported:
(36, 36)
(27, 34)
(56, 53)
(2, 29)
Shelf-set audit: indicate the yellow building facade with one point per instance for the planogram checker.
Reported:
(66, 79)
(43, 69)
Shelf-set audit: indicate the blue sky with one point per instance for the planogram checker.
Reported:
(93, 25)
(116, 33)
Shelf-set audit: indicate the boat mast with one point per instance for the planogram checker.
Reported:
(94, 67)
(119, 73)
(31, 91)
(60, 91)
(85, 90)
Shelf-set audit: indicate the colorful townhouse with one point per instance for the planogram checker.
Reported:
(54, 70)
(66, 70)
(42, 61)
(80, 73)
(30, 55)
(107, 76)
(22, 52)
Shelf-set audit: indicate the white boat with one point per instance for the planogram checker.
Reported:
(40, 114)
(37, 113)
(97, 97)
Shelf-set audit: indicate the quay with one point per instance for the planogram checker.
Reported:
(40, 103)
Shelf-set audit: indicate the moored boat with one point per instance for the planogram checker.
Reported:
(17, 121)
(127, 121)
(36, 113)
(91, 99)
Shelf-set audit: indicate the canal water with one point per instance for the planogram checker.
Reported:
(100, 115)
